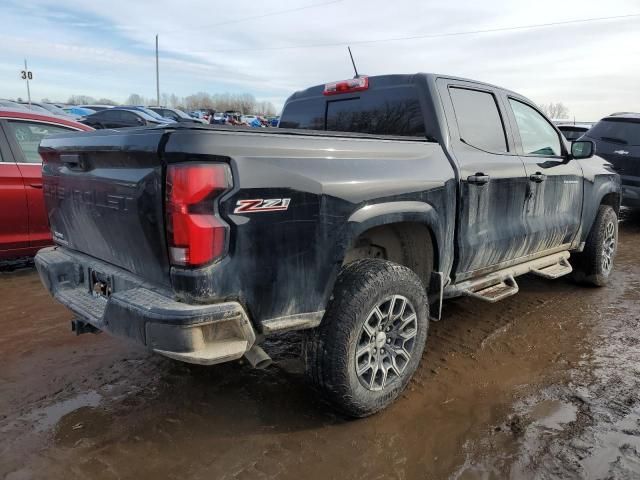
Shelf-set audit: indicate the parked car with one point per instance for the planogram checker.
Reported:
(219, 118)
(250, 120)
(617, 139)
(97, 108)
(11, 104)
(23, 220)
(148, 111)
(121, 117)
(573, 131)
(80, 111)
(50, 109)
(411, 189)
(175, 115)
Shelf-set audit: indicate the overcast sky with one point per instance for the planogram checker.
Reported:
(106, 48)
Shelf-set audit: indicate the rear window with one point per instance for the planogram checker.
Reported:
(390, 111)
(624, 132)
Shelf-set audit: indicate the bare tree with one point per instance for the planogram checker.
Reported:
(265, 108)
(107, 101)
(135, 99)
(555, 110)
(80, 100)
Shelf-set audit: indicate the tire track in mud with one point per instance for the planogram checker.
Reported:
(593, 427)
(159, 419)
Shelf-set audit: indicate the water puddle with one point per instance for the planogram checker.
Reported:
(553, 414)
(47, 417)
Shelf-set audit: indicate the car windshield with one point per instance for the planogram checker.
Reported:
(180, 113)
(617, 130)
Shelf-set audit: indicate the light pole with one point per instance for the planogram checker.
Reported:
(157, 75)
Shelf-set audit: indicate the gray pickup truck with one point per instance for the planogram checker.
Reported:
(378, 198)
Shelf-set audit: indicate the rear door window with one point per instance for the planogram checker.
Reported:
(479, 121)
(28, 136)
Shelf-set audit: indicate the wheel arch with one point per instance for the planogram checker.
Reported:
(606, 193)
(402, 228)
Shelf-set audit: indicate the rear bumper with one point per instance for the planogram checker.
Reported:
(144, 313)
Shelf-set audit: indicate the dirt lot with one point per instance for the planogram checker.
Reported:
(542, 385)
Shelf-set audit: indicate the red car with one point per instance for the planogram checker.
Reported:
(24, 227)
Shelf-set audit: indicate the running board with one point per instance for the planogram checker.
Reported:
(554, 271)
(502, 284)
(496, 292)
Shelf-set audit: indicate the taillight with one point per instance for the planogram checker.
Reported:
(357, 84)
(195, 233)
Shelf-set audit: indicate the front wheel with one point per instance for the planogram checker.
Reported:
(593, 266)
(371, 338)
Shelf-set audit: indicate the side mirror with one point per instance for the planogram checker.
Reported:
(582, 149)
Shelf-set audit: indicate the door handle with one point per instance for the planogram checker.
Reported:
(538, 177)
(478, 179)
(35, 185)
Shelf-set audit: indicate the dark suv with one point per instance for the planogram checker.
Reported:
(617, 139)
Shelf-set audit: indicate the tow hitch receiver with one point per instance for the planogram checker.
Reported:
(101, 285)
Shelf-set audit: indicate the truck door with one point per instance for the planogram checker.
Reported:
(14, 216)
(492, 179)
(555, 191)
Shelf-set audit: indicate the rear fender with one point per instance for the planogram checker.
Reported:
(379, 214)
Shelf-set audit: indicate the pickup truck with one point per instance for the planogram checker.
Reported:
(376, 199)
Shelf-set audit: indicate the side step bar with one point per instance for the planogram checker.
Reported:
(502, 284)
(554, 271)
(496, 292)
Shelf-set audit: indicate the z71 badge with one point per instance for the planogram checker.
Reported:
(262, 205)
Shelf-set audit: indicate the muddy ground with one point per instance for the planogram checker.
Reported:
(542, 385)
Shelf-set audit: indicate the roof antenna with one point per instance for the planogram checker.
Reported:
(353, 63)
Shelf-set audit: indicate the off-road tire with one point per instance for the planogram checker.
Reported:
(330, 349)
(588, 265)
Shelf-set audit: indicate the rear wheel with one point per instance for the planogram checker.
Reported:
(372, 336)
(593, 266)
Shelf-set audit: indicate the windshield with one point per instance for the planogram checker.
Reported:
(617, 130)
(180, 113)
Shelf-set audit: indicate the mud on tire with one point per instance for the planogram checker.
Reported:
(594, 264)
(371, 338)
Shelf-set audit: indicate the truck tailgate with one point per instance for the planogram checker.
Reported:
(104, 194)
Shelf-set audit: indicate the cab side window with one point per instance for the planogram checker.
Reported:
(479, 120)
(536, 133)
(29, 134)
(129, 118)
